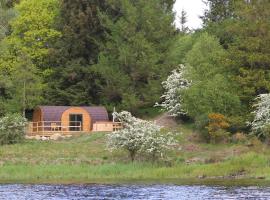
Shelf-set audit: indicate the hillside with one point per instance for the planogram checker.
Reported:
(85, 159)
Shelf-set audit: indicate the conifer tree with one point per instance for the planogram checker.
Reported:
(134, 59)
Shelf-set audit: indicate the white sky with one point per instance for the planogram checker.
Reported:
(194, 9)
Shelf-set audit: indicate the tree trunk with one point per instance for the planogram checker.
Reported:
(24, 98)
(132, 155)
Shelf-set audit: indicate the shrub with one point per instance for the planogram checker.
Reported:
(266, 131)
(12, 129)
(239, 137)
(174, 86)
(139, 136)
(200, 123)
(260, 124)
(237, 124)
(217, 128)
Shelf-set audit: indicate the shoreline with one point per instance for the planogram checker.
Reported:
(180, 182)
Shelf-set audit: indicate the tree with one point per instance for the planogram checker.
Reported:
(6, 14)
(183, 20)
(134, 58)
(204, 85)
(174, 87)
(261, 123)
(139, 136)
(242, 28)
(27, 84)
(211, 91)
(33, 30)
(218, 11)
(249, 51)
(24, 54)
(82, 35)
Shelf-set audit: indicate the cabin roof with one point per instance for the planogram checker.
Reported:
(54, 113)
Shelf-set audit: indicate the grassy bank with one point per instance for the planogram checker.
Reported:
(85, 160)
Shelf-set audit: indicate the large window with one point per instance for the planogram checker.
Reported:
(75, 122)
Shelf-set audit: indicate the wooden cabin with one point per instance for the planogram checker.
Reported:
(48, 120)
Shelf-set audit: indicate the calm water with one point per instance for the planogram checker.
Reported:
(152, 192)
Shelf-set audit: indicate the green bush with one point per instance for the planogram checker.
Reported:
(200, 123)
(266, 131)
(12, 129)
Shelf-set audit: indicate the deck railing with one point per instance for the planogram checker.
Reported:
(47, 128)
(50, 127)
(117, 126)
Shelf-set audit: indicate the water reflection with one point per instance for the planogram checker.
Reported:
(127, 192)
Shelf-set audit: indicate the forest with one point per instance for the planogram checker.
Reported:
(129, 54)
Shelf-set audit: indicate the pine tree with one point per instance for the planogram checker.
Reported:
(135, 56)
(183, 20)
(218, 11)
(243, 29)
(73, 81)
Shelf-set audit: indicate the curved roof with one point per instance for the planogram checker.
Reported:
(54, 113)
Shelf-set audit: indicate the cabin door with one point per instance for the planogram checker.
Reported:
(75, 122)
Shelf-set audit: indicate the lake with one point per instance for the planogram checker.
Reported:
(126, 192)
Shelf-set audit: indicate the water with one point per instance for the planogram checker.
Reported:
(126, 192)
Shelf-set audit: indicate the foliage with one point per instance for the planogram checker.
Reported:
(139, 136)
(24, 55)
(211, 89)
(12, 129)
(209, 96)
(217, 127)
(134, 57)
(22, 86)
(249, 50)
(260, 124)
(73, 82)
(6, 14)
(182, 45)
(183, 20)
(33, 31)
(239, 137)
(174, 86)
(218, 11)
(244, 33)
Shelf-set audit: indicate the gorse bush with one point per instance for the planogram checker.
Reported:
(217, 128)
(139, 136)
(12, 129)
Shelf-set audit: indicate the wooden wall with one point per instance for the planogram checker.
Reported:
(103, 127)
(87, 126)
(37, 115)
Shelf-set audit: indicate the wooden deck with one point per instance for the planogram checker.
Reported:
(49, 128)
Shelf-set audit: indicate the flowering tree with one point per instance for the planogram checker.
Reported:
(261, 123)
(12, 128)
(139, 136)
(174, 85)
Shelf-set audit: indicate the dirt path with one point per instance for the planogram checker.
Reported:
(165, 120)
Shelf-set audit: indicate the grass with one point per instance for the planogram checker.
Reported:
(85, 159)
(148, 112)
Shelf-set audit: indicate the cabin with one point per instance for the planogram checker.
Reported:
(48, 120)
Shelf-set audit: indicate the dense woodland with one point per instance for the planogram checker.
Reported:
(117, 53)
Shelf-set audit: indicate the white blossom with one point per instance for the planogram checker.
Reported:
(174, 85)
(12, 128)
(139, 135)
(262, 115)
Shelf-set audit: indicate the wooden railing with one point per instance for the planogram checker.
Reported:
(47, 128)
(117, 126)
(51, 127)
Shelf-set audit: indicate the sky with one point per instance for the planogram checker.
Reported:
(194, 9)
